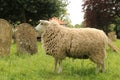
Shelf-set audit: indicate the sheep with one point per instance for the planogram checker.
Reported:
(84, 43)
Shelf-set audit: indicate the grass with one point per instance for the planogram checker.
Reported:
(40, 67)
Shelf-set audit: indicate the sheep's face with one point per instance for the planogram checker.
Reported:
(42, 26)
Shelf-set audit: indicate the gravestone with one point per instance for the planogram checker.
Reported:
(112, 36)
(5, 37)
(26, 39)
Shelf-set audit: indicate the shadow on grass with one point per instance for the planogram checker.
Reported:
(85, 71)
(81, 72)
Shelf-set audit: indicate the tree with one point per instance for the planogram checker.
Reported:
(101, 13)
(31, 10)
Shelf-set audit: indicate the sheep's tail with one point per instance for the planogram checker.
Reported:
(113, 46)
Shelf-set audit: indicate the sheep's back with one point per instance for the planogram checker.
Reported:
(87, 40)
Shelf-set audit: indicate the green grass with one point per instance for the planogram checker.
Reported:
(40, 67)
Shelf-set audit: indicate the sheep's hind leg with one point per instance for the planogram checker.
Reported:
(99, 62)
(96, 60)
(60, 66)
(55, 64)
(100, 66)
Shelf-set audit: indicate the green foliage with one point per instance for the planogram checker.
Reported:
(79, 25)
(118, 22)
(31, 10)
(40, 67)
(117, 27)
(111, 27)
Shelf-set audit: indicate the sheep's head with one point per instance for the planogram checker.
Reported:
(42, 25)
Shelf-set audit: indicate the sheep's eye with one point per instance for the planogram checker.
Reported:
(41, 23)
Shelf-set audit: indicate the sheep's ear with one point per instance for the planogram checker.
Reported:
(44, 22)
(40, 21)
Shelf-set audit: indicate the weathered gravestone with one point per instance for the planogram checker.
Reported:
(5, 37)
(26, 39)
(112, 36)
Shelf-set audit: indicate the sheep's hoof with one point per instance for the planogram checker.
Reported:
(99, 71)
(102, 71)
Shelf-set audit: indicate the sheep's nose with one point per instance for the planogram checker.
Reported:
(37, 27)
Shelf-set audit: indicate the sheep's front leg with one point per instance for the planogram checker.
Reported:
(60, 66)
(55, 64)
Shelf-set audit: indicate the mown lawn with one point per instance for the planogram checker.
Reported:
(40, 67)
